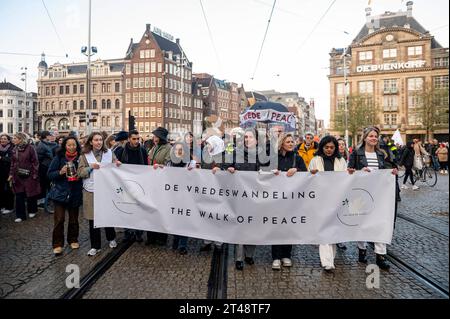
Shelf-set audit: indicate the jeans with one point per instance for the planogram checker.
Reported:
(436, 164)
(58, 229)
(20, 205)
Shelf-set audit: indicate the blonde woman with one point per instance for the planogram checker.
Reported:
(369, 157)
(290, 162)
(327, 158)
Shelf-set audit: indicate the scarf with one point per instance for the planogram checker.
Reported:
(71, 156)
(328, 163)
(5, 148)
(129, 148)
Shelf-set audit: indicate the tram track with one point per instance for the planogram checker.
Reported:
(415, 222)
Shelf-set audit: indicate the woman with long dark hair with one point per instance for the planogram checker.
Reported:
(327, 158)
(95, 154)
(66, 193)
(369, 157)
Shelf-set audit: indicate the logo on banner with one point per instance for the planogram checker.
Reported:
(358, 204)
(126, 196)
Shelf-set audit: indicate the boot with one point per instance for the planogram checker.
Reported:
(239, 265)
(382, 262)
(362, 256)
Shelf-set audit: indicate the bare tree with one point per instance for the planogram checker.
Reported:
(431, 111)
(362, 112)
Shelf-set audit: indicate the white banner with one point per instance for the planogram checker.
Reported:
(287, 118)
(247, 207)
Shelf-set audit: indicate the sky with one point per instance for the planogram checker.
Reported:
(294, 57)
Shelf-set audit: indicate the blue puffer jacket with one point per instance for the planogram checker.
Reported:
(62, 191)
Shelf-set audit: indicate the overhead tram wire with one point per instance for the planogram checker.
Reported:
(316, 26)
(210, 36)
(31, 54)
(264, 39)
(54, 28)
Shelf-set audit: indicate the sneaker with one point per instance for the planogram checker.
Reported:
(32, 215)
(18, 220)
(287, 262)
(6, 211)
(276, 264)
(328, 268)
(74, 245)
(239, 265)
(415, 187)
(404, 187)
(362, 256)
(382, 263)
(57, 251)
(112, 244)
(93, 252)
(249, 260)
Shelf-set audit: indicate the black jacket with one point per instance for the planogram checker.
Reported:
(128, 155)
(358, 159)
(291, 160)
(62, 191)
(5, 164)
(241, 161)
(407, 158)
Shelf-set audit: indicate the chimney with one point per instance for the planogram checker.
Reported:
(409, 6)
(177, 41)
(369, 23)
(147, 27)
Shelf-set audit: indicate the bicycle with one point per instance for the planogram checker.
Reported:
(427, 174)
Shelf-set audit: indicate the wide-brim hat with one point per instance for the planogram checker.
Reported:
(161, 132)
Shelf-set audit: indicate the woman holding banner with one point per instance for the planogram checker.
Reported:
(369, 157)
(328, 158)
(246, 159)
(94, 155)
(290, 162)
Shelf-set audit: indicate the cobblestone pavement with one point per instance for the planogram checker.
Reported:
(28, 268)
(428, 205)
(425, 250)
(156, 272)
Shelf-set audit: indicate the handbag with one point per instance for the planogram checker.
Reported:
(22, 172)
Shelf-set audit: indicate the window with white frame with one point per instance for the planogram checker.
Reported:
(135, 68)
(415, 84)
(153, 67)
(414, 51)
(440, 82)
(128, 83)
(160, 67)
(159, 112)
(389, 53)
(147, 67)
(390, 103)
(141, 82)
(152, 82)
(127, 98)
(365, 56)
(390, 86)
(128, 68)
(159, 97)
(159, 82)
(152, 53)
(135, 97)
(147, 82)
(141, 67)
(147, 97)
(135, 83)
(147, 112)
(365, 87)
(390, 118)
(147, 54)
(152, 97)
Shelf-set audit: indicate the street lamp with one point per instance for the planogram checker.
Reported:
(24, 78)
(344, 56)
(88, 51)
(181, 64)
